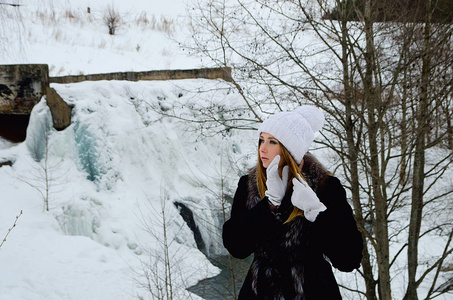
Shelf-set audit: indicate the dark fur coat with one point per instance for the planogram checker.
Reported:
(291, 260)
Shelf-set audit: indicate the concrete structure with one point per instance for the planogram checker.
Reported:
(21, 87)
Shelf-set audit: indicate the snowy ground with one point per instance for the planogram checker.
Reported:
(112, 167)
(71, 41)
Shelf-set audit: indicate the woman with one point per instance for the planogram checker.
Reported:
(293, 215)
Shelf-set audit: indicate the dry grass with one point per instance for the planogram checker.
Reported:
(163, 24)
(142, 19)
(52, 17)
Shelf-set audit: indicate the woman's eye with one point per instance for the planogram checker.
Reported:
(274, 142)
(260, 141)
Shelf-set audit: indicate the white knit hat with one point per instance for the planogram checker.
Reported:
(296, 129)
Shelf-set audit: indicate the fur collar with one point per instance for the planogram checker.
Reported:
(312, 170)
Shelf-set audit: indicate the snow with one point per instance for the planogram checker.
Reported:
(72, 41)
(120, 163)
(113, 163)
(114, 169)
(111, 169)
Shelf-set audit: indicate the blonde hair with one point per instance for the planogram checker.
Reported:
(294, 170)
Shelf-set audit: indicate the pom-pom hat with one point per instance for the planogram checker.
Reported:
(295, 130)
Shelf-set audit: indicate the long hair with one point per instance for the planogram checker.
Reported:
(294, 170)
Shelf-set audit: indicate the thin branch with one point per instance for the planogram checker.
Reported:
(9, 230)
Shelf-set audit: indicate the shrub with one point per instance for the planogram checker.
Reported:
(112, 19)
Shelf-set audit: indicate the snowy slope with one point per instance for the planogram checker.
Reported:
(72, 41)
(111, 170)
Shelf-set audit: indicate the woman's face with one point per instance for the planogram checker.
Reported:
(269, 147)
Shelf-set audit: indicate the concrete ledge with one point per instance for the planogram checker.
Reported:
(207, 73)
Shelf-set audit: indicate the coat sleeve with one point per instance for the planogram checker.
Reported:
(336, 229)
(247, 228)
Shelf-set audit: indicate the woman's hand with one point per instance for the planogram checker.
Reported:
(305, 199)
(276, 186)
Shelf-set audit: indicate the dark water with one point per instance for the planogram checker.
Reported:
(221, 286)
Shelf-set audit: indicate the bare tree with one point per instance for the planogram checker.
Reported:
(45, 173)
(380, 84)
(158, 271)
(164, 269)
(220, 185)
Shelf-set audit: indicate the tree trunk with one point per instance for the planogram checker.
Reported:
(449, 132)
(370, 283)
(373, 107)
(403, 128)
(419, 164)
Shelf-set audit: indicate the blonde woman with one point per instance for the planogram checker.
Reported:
(292, 215)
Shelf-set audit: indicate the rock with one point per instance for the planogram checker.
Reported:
(6, 163)
(60, 110)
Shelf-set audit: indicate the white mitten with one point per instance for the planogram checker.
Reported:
(305, 199)
(276, 186)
